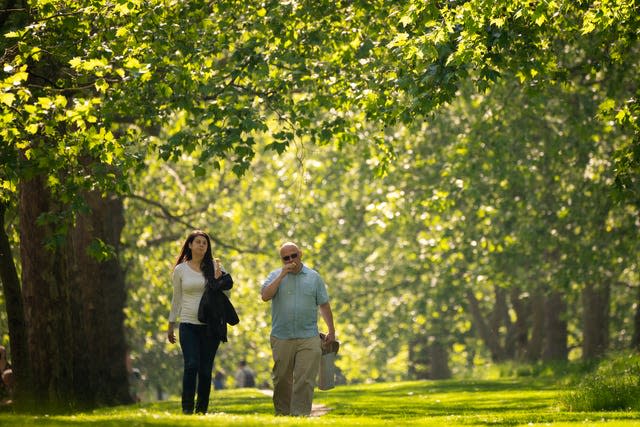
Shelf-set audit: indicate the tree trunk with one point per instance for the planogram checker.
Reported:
(428, 358)
(522, 309)
(502, 318)
(73, 304)
(534, 347)
(15, 314)
(499, 307)
(47, 300)
(595, 315)
(635, 341)
(101, 296)
(489, 337)
(556, 336)
(418, 358)
(439, 356)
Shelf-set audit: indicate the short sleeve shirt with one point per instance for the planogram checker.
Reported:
(294, 307)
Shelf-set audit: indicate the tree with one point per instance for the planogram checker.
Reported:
(87, 85)
(13, 299)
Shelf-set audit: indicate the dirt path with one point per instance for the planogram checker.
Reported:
(317, 409)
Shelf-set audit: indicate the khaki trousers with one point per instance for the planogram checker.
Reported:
(295, 368)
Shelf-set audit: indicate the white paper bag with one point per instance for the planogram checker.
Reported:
(327, 374)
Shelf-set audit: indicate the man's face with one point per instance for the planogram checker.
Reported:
(290, 254)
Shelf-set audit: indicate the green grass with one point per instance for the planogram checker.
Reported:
(614, 385)
(419, 403)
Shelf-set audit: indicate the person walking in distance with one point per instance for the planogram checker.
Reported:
(7, 380)
(244, 376)
(296, 293)
(194, 269)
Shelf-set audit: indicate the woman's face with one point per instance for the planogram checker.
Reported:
(198, 246)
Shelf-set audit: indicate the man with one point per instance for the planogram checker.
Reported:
(296, 292)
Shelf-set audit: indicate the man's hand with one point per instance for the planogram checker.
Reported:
(290, 267)
(329, 338)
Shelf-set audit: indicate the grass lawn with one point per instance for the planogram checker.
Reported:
(418, 403)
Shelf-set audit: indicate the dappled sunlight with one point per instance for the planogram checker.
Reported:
(463, 175)
(415, 403)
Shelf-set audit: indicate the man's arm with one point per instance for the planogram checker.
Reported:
(327, 315)
(267, 292)
(270, 290)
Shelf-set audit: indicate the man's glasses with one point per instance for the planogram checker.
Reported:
(290, 257)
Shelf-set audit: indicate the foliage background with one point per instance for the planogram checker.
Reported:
(421, 154)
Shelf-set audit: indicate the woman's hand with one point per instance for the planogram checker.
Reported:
(171, 335)
(217, 268)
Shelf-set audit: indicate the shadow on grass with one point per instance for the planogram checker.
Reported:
(452, 386)
(245, 407)
(237, 402)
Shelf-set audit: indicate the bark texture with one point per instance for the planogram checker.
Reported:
(15, 313)
(555, 344)
(595, 316)
(73, 302)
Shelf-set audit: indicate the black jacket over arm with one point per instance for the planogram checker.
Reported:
(215, 308)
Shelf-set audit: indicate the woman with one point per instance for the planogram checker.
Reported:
(194, 269)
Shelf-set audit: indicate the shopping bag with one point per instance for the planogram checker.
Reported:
(327, 373)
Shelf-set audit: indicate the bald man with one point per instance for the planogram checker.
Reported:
(296, 293)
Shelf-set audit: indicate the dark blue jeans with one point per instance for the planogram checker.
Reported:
(198, 351)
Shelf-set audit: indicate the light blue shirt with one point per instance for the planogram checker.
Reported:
(294, 307)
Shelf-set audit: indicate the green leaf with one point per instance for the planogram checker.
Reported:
(399, 40)
(7, 98)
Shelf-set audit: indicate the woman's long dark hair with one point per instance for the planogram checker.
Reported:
(207, 261)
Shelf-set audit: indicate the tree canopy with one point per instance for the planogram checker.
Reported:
(101, 76)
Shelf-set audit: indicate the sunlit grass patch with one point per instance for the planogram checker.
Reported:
(417, 403)
(438, 398)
